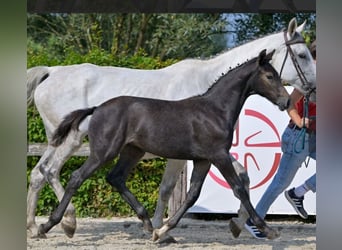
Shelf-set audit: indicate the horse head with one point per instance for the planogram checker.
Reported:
(294, 55)
(268, 83)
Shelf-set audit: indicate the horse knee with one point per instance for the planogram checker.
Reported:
(51, 175)
(37, 179)
(115, 181)
(75, 182)
(240, 192)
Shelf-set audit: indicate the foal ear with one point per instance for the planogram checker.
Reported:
(269, 56)
(262, 57)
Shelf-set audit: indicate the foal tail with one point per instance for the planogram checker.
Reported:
(70, 122)
(35, 76)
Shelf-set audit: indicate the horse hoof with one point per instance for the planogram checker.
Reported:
(68, 228)
(167, 239)
(234, 228)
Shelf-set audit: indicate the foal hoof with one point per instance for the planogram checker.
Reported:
(234, 228)
(272, 234)
(147, 226)
(68, 228)
(155, 235)
(40, 233)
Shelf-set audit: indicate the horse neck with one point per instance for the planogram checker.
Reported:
(207, 71)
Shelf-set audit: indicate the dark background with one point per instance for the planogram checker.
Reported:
(170, 5)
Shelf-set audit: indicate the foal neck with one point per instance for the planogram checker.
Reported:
(230, 92)
(233, 84)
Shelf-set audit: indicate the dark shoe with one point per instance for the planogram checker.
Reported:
(254, 230)
(296, 202)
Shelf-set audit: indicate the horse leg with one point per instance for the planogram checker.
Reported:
(76, 180)
(225, 166)
(129, 157)
(166, 187)
(51, 171)
(236, 224)
(199, 173)
(37, 182)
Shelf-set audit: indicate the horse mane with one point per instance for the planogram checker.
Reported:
(241, 43)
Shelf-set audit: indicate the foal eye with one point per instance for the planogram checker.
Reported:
(269, 77)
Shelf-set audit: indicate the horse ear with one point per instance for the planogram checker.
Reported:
(300, 28)
(291, 30)
(262, 57)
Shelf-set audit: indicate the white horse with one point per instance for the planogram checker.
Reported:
(59, 90)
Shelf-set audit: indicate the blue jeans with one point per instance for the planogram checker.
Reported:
(295, 152)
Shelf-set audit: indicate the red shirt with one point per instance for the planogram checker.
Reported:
(311, 110)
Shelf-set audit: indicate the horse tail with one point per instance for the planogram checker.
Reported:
(70, 122)
(35, 76)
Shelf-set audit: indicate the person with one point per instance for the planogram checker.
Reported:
(296, 148)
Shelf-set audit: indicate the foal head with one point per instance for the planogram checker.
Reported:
(267, 83)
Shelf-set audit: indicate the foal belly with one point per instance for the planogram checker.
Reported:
(176, 144)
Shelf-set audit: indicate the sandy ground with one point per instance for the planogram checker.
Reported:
(127, 233)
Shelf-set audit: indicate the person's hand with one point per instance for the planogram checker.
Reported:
(305, 121)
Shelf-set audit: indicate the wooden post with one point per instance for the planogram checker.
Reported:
(37, 149)
(179, 193)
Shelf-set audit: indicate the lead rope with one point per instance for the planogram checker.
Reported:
(306, 115)
(303, 130)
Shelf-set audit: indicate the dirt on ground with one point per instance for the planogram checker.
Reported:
(127, 233)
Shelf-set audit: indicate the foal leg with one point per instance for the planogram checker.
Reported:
(236, 224)
(199, 173)
(129, 157)
(224, 165)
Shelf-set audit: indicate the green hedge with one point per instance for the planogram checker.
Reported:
(95, 197)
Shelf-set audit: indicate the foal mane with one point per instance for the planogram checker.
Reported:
(230, 70)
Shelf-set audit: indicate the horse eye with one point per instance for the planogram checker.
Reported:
(302, 56)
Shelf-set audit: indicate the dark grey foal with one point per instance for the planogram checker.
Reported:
(199, 128)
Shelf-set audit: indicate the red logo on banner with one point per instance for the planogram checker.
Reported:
(250, 156)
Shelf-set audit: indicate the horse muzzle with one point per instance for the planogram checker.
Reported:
(283, 103)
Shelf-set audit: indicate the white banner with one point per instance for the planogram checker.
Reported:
(256, 145)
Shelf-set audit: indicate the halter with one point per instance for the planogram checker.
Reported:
(295, 40)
